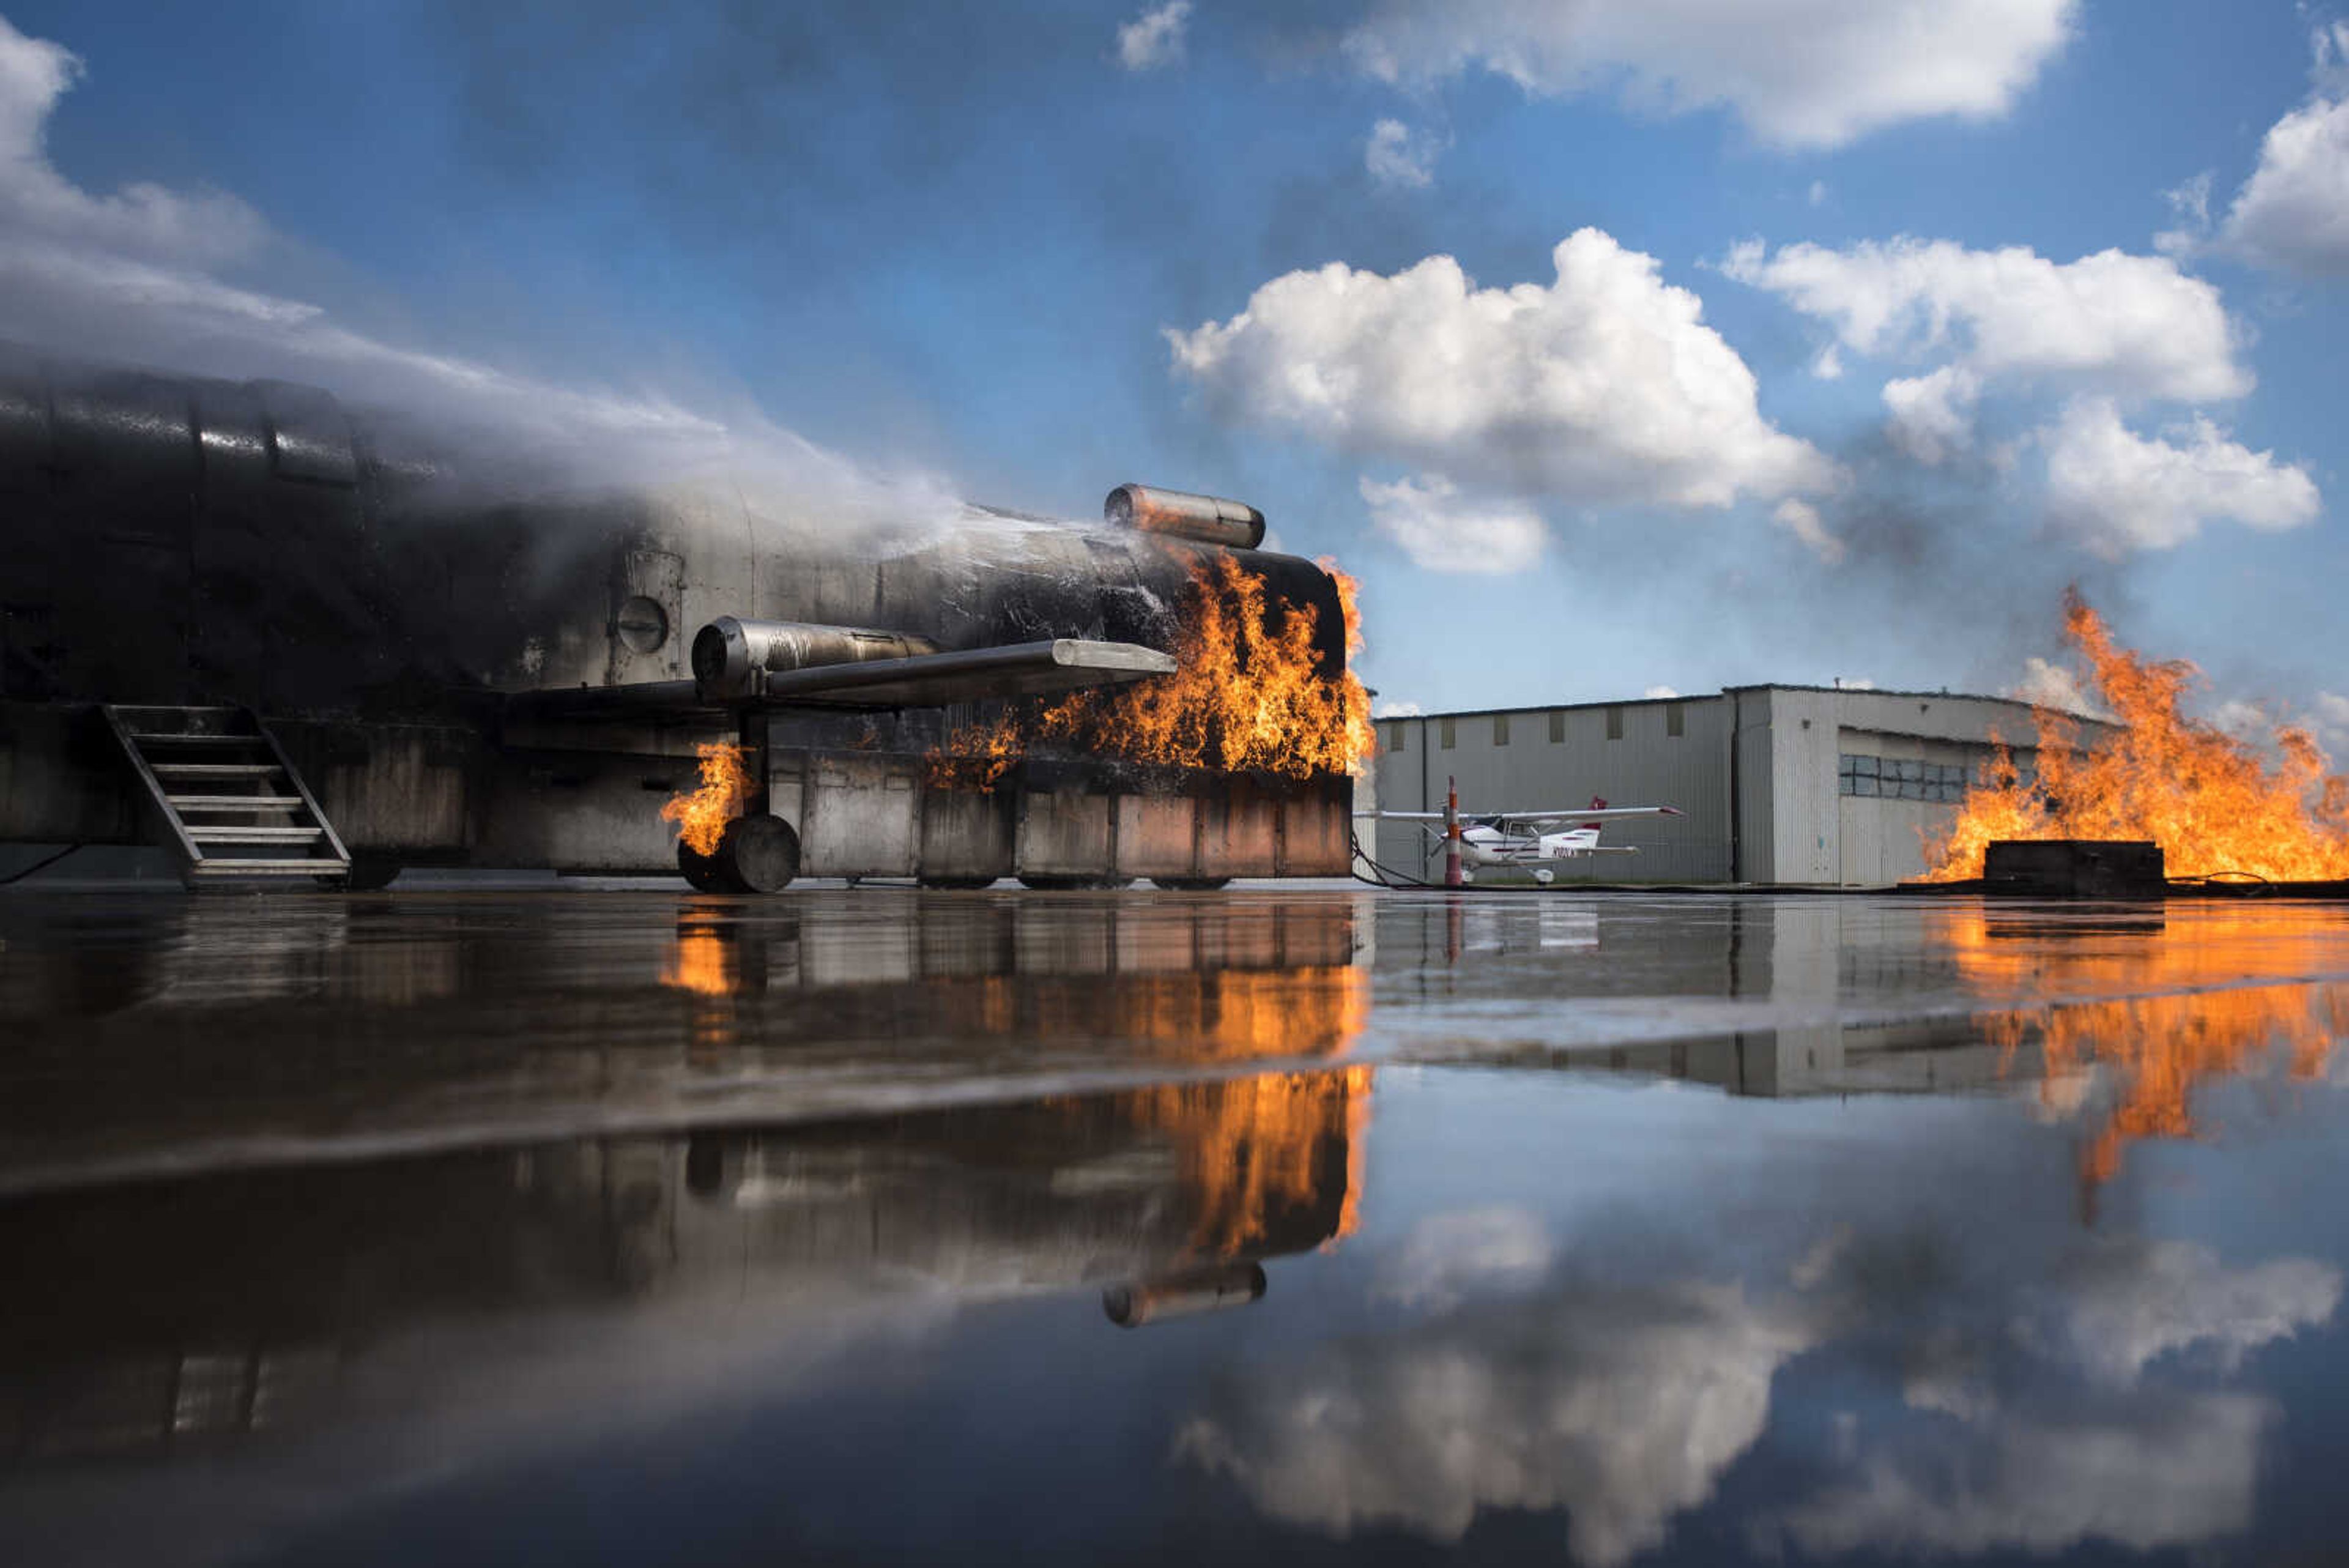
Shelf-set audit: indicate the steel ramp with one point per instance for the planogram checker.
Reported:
(232, 808)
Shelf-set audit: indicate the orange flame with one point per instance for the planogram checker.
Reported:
(2159, 1048)
(702, 964)
(1260, 1156)
(2205, 797)
(701, 815)
(1247, 692)
(1256, 1154)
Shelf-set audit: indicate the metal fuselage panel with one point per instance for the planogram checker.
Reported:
(167, 540)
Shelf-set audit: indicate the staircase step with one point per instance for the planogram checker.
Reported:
(256, 835)
(238, 748)
(194, 738)
(218, 868)
(215, 770)
(175, 709)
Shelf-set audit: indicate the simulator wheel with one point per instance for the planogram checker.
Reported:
(370, 874)
(699, 870)
(759, 854)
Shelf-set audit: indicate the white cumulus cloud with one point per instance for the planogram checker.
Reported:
(2189, 203)
(138, 276)
(2294, 212)
(2329, 716)
(1398, 155)
(2132, 1305)
(1802, 519)
(1467, 1252)
(1933, 415)
(140, 220)
(1156, 37)
(1623, 1410)
(2025, 1456)
(1800, 73)
(2245, 720)
(2046, 685)
(1603, 386)
(2175, 1470)
(2118, 490)
(2128, 325)
(1444, 531)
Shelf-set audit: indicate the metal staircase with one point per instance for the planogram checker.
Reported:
(232, 804)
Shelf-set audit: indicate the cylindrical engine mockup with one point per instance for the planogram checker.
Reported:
(732, 656)
(1206, 518)
(1214, 1288)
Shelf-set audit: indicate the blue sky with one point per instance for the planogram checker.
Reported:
(1011, 248)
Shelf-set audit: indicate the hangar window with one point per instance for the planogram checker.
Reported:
(1557, 725)
(2026, 772)
(1675, 718)
(1614, 724)
(1500, 729)
(1444, 736)
(1901, 778)
(1398, 736)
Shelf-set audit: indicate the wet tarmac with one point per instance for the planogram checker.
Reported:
(1292, 1224)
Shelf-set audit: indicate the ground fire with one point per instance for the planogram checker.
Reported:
(1249, 693)
(2210, 801)
(2200, 1022)
(702, 815)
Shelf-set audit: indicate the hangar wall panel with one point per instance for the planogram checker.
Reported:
(1539, 758)
(1759, 769)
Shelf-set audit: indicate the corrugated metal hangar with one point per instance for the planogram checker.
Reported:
(1790, 785)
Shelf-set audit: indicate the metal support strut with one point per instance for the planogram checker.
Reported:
(1452, 833)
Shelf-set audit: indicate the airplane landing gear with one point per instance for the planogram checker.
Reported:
(756, 854)
(699, 870)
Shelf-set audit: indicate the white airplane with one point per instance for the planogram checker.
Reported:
(1528, 839)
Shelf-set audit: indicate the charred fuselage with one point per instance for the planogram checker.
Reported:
(165, 540)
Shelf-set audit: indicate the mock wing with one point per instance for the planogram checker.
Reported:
(924, 681)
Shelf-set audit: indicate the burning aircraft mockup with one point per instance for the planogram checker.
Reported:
(292, 641)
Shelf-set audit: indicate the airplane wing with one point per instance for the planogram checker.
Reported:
(923, 680)
(1531, 818)
(1537, 819)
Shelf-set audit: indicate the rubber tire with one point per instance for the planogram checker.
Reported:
(759, 854)
(1191, 884)
(370, 874)
(700, 870)
(956, 884)
(1043, 884)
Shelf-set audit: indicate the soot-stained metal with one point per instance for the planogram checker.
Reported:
(472, 670)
